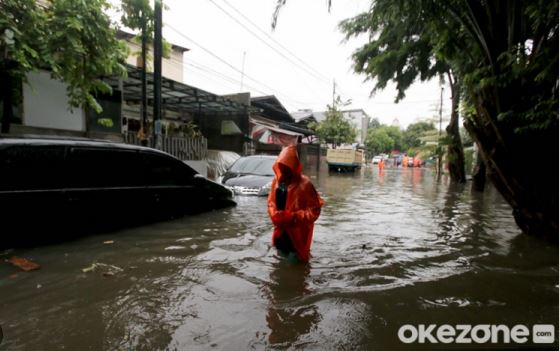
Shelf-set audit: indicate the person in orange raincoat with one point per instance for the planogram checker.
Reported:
(293, 206)
(381, 165)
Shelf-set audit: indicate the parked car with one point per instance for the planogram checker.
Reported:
(219, 162)
(250, 175)
(56, 189)
(377, 159)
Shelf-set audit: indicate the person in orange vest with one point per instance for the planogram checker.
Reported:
(405, 161)
(416, 162)
(293, 206)
(381, 164)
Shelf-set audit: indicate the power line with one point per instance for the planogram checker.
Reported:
(236, 69)
(230, 80)
(229, 65)
(306, 67)
(209, 72)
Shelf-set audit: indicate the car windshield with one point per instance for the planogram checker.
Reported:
(254, 165)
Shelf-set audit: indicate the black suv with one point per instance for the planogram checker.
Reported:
(83, 184)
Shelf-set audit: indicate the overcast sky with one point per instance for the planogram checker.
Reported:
(297, 62)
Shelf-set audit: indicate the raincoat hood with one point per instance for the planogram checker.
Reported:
(289, 158)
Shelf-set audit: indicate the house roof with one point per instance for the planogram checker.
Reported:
(271, 108)
(174, 95)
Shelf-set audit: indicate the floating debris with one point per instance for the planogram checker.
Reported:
(175, 247)
(108, 269)
(23, 263)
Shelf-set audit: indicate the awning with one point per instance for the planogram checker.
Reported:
(175, 96)
(271, 135)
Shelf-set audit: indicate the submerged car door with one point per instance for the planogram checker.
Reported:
(170, 183)
(107, 185)
(32, 186)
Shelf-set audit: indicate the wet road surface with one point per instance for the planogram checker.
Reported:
(389, 249)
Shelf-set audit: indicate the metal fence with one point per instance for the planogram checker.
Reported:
(181, 147)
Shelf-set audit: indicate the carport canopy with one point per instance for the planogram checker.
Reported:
(175, 96)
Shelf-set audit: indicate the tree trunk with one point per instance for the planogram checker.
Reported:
(455, 149)
(478, 183)
(515, 124)
(533, 196)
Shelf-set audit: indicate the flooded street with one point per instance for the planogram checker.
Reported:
(389, 249)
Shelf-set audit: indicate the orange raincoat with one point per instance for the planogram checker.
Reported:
(302, 206)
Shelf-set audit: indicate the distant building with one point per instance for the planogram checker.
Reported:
(360, 120)
(357, 117)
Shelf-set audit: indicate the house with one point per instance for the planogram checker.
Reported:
(357, 117)
(265, 121)
(45, 109)
(360, 121)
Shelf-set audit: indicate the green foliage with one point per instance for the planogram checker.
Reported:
(334, 129)
(105, 122)
(400, 49)
(279, 5)
(380, 140)
(384, 138)
(424, 152)
(373, 123)
(396, 135)
(139, 15)
(415, 131)
(75, 40)
(84, 48)
(22, 37)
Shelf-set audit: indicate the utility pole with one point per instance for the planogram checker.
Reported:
(243, 70)
(440, 161)
(157, 52)
(144, 138)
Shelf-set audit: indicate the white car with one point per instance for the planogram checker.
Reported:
(377, 159)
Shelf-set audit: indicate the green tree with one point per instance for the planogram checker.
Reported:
(335, 129)
(504, 56)
(22, 26)
(402, 50)
(373, 123)
(379, 141)
(74, 40)
(413, 133)
(396, 135)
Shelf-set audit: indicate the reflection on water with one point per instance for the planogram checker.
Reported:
(286, 319)
(391, 247)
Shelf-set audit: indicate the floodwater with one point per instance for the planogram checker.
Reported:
(389, 249)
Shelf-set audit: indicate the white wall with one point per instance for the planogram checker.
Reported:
(360, 121)
(171, 68)
(45, 104)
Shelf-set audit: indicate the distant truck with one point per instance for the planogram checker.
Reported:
(344, 160)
